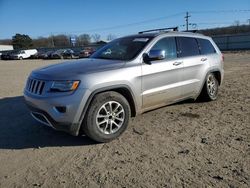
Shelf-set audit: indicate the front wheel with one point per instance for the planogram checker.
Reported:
(210, 88)
(107, 117)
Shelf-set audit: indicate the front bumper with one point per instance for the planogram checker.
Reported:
(44, 118)
(45, 110)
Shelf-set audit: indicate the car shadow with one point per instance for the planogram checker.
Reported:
(18, 130)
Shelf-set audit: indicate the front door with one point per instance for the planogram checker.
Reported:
(161, 80)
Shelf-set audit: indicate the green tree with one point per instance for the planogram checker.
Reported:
(20, 41)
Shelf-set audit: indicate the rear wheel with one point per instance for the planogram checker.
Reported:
(210, 88)
(107, 117)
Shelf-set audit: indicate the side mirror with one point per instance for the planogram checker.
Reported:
(154, 55)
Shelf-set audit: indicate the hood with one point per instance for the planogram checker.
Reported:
(73, 69)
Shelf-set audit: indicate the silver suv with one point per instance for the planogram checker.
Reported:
(126, 77)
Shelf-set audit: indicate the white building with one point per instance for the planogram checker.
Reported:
(6, 47)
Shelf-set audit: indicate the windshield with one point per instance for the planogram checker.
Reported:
(122, 49)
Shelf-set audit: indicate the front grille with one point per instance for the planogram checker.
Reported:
(35, 86)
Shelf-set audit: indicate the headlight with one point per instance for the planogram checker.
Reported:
(64, 86)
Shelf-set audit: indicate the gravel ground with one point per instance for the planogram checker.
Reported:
(189, 144)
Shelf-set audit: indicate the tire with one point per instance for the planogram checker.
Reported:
(20, 58)
(210, 89)
(103, 125)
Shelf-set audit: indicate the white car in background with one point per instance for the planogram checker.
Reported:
(24, 54)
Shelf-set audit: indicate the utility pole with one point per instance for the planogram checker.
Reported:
(187, 17)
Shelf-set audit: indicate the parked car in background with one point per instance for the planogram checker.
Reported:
(3, 53)
(46, 55)
(86, 52)
(7, 54)
(23, 54)
(64, 54)
(38, 54)
(70, 54)
(57, 54)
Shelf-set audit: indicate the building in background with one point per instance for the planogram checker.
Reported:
(6, 47)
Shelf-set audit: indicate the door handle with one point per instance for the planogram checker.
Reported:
(204, 59)
(177, 63)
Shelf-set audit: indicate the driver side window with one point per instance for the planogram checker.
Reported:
(168, 45)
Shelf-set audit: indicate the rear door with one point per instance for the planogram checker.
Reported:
(161, 79)
(193, 65)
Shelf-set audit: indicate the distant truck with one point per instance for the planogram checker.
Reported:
(23, 54)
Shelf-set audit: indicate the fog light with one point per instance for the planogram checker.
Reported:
(61, 109)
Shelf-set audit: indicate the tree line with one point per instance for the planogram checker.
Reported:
(230, 30)
(22, 41)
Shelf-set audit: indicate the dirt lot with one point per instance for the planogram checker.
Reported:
(183, 145)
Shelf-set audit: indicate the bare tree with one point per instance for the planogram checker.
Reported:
(83, 40)
(42, 42)
(96, 37)
(61, 40)
(111, 37)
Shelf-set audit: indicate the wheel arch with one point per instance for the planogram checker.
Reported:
(124, 90)
(217, 73)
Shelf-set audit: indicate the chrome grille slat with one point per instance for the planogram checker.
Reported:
(35, 86)
(39, 87)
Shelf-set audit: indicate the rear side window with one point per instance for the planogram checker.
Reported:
(168, 45)
(187, 46)
(206, 47)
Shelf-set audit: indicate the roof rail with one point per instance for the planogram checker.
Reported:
(160, 30)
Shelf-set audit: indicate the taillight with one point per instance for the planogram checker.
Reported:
(223, 58)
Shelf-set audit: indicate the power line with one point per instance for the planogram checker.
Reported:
(220, 11)
(157, 19)
(127, 25)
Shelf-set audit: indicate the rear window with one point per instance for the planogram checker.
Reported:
(206, 47)
(187, 46)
